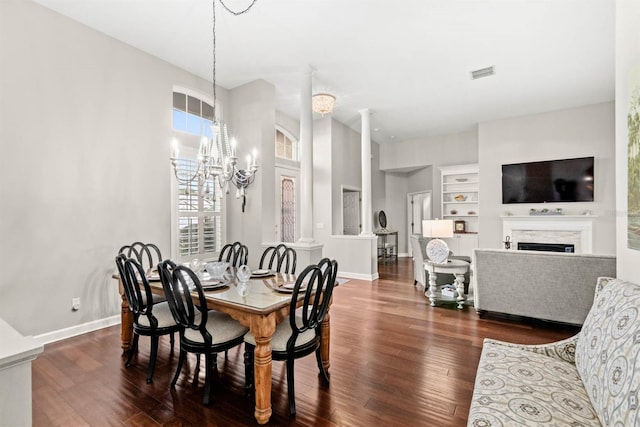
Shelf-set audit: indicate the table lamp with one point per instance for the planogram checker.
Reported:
(437, 250)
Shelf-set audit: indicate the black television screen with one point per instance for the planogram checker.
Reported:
(568, 180)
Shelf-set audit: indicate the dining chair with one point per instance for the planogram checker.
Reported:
(149, 319)
(148, 255)
(202, 331)
(143, 252)
(236, 254)
(281, 259)
(301, 335)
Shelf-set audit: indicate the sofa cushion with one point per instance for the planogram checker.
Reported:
(519, 387)
(608, 352)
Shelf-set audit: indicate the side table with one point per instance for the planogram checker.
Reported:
(454, 266)
(386, 249)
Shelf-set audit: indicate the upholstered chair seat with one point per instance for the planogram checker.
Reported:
(283, 333)
(221, 327)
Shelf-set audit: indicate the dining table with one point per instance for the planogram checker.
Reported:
(259, 304)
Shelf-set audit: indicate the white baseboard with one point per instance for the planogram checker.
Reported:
(73, 331)
(359, 276)
(403, 255)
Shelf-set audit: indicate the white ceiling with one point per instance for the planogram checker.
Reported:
(409, 61)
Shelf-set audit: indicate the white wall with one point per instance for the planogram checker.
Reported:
(578, 132)
(253, 123)
(346, 167)
(85, 128)
(627, 59)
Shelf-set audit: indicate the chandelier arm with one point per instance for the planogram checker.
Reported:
(238, 12)
(190, 179)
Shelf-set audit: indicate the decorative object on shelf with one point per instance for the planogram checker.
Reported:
(462, 179)
(545, 211)
(460, 226)
(453, 212)
(382, 220)
(437, 249)
(460, 198)
(471, 213)
(507, 242)
(217, 156)
(323, 103)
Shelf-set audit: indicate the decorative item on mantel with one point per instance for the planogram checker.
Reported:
(557, 211)
(507, 242)
(217, 156)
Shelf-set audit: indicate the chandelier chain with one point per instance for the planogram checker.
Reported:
(213, 72)
(239, 12)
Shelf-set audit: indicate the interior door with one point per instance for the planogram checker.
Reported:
(419, 209)
(287, 209)
(351, 212)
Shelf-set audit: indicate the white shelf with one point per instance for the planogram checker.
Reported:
(461, 182)
(469, 188)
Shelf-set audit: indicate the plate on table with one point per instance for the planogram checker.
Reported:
(213, 285)
(287, 288)
(262, 273)
(153, 277)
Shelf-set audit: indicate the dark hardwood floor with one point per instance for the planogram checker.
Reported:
(395, 361)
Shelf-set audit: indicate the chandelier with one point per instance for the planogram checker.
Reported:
(323, 103)
(217, 155)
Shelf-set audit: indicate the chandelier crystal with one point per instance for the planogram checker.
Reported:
(217, 157)
(323, 103)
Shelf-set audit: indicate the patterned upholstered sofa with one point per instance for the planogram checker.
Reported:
(591, 379)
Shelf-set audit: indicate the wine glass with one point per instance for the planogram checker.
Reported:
(243, 289)
(243, 274)
(197, 266)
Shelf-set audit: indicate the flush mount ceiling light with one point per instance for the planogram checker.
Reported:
(323, 103)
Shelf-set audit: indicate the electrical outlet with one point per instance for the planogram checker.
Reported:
(75, 304)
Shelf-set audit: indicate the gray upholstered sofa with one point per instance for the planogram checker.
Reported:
(543, 285)
(591, 379)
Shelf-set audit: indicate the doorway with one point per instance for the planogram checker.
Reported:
(350, 212)
(418, 209)
(287, 209)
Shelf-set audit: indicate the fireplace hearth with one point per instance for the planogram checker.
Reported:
(550, 247)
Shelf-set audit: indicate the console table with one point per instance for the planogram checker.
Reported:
(454, 266)
(387, 250)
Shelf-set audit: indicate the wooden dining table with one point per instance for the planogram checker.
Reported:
(261, 309)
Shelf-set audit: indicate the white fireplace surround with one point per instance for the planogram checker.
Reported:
(569, 229)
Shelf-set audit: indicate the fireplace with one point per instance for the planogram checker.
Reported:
(573, 230)
(550, 247)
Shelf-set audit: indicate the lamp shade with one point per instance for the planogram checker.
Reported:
(437, 228)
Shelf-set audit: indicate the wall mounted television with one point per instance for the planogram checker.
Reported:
(566, 180)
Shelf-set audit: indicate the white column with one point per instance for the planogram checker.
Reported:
(365, 148)
(306, 159)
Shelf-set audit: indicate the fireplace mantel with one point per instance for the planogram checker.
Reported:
(544, 226)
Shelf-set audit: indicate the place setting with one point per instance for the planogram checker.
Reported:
(262, 273)
(214, 278)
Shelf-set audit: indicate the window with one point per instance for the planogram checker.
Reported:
(192, 115)
(286, 146)
(198, 205)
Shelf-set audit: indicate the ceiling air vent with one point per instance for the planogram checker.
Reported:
(483, 72)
